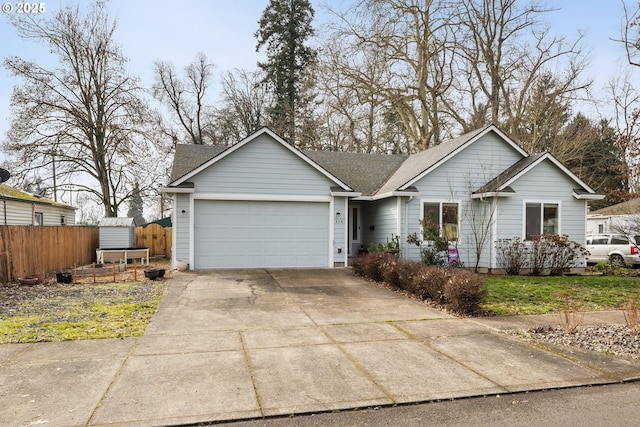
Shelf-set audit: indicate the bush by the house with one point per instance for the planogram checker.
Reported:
(399, 272)
(429, 283)
(512, 255)
(465, 291)
(370, 265)
(546, 253)
(457, 289)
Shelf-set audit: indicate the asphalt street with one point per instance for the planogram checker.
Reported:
(605, 405)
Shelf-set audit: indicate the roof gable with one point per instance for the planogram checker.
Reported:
(421, 164)
(185, 158)
(502, 182)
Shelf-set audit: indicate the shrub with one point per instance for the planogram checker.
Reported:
(371, 265)
(464, 291)
(609, 268)
(563, 253)
(512, 255)
(429, 283)
(433, 251)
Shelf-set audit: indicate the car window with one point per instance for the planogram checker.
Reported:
(600, 241)
(619, 240)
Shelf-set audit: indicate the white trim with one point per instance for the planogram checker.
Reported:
(347, 237)
(262, 197)
(488, 194)
(473, 139)
(192, 234)
(441, 202)
(395, 193)
(493, 262)
(589, 196)
(332, 233)
(542, 202)
(398, 216)
(174, 234)
(345, 193)
(253, 137)
(175, 190)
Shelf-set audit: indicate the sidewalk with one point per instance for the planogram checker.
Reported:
(229, 345)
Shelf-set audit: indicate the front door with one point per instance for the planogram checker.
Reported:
(355, 230)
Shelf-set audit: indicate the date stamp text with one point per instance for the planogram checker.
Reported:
(24, 8)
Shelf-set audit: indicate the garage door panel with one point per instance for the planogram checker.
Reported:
(261, 234)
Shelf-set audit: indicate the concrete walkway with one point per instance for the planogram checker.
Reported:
(228, 345)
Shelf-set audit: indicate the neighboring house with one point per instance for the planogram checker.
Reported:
(622, 218)
(20, 208)
(264, 203)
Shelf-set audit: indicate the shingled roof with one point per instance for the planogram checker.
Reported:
(365, 173)
(514, 170)
(10, 193)
(190, 156)
(368, 174)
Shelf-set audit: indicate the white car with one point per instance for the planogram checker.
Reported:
(615, 248)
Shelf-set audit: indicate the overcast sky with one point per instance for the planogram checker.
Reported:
(176, 31)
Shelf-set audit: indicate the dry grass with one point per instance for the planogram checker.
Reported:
(631, 311)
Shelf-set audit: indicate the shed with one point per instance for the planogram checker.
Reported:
(117, 233)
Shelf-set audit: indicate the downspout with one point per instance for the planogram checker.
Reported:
(4, 203)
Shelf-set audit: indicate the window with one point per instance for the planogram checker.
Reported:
(444, 217)
(38, 218)
(619, 240)
(541, 218)
(63, 220)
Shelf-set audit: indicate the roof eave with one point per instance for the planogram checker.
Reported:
(489, 194)
(339, 193)
(588, 196)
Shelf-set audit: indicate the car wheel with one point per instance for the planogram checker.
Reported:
(617, 259)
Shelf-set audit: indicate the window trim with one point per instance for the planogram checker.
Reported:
(542, 203)
(440, 203)
(35, 218)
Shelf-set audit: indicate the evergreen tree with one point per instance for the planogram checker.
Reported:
(285, 27)
(136, 206)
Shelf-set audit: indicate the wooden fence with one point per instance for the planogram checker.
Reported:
(156, 238)
(27, 249)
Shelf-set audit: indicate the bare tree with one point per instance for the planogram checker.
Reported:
(86, 114)
(244, 106)
(507, 59)
(186, 96)
(412, 42)
(631, 33)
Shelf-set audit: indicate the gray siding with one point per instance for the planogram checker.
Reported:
(453, 181)
(545, 183)
(263, 166)
(181, 227)
(339, 227)
(382, 216)
(14, 212)
(117, 237)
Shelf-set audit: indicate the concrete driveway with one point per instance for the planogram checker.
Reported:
(228, 345)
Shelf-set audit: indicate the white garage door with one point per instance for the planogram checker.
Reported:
(248, 234)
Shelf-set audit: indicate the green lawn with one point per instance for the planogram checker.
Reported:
(537, 295)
